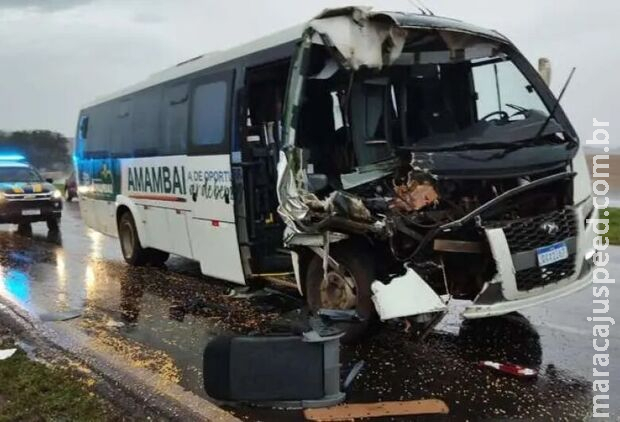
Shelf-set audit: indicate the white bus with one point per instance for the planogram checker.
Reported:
(389, 161)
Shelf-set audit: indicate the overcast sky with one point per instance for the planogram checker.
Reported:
(57, 55)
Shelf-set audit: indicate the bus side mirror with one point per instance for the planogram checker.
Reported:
(544, 68)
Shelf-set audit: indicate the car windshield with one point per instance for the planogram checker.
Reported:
(19, 175)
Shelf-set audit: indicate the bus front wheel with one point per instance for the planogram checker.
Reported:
(349, 290)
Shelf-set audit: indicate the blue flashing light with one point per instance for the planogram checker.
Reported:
(12, 157)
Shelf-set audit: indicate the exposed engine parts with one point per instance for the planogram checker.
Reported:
(413, 195)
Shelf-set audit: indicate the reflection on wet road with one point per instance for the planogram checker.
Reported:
(161, 318)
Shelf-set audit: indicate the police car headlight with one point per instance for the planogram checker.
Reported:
(57, 194)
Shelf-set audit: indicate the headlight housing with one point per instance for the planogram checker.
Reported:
(57, 194)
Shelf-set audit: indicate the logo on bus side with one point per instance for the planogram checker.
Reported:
(175, 180)
(210, 184)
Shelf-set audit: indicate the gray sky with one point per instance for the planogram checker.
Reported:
(56, 55)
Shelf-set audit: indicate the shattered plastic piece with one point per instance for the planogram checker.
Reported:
(7, 353)
(353, 373)
(510, 369)
(376, 410)
(405, 296)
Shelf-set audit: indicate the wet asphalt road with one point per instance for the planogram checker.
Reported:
(161, 318)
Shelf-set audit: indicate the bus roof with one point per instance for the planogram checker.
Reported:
(292, 34)
(208, 60)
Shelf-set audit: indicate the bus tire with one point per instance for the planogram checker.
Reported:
(133, 252)
(359, 272)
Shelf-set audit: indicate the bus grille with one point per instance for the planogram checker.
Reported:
(534, 277)
(526, 234)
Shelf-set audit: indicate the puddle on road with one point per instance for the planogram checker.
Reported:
(161, 319)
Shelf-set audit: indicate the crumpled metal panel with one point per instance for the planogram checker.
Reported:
(362, 40)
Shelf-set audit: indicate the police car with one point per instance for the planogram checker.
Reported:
(25, 197)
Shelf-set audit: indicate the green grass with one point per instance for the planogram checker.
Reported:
(614, 226)
(31, 391)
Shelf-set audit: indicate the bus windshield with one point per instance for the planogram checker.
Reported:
(443, 105)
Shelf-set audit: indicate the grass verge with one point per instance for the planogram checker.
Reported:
(32, 391)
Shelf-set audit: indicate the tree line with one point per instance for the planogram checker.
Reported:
(45, 149)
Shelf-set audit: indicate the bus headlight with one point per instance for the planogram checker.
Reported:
(57, 194)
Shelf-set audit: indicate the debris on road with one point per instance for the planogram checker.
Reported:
(7, 353)
(376, 410)
(115, 324)
(284, 371)
(510, 369)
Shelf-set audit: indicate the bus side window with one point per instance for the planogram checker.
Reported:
(209, 104)
(121, 132)
(175, 109)
(145, 124)
(97, 144)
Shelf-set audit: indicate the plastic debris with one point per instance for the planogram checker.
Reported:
(510, 369)
(115, 324)
(7, 353)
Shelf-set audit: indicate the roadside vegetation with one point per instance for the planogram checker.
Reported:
(614, 226)
(32, 391)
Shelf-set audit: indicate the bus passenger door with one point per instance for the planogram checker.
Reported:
(212, 227)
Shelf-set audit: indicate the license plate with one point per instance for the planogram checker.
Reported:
(31, 212)
(552, 253)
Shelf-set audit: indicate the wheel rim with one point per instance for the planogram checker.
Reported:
(127, 239)
(338, 291)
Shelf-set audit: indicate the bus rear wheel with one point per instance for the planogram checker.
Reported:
(133, 252)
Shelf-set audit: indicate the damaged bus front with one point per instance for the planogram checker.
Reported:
(425, 159)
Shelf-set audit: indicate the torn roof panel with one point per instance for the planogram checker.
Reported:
(376, 39)
(411, 20)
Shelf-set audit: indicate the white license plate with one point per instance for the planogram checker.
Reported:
(31, 212)
(552, 253)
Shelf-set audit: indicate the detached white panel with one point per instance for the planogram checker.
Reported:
(405, 296)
